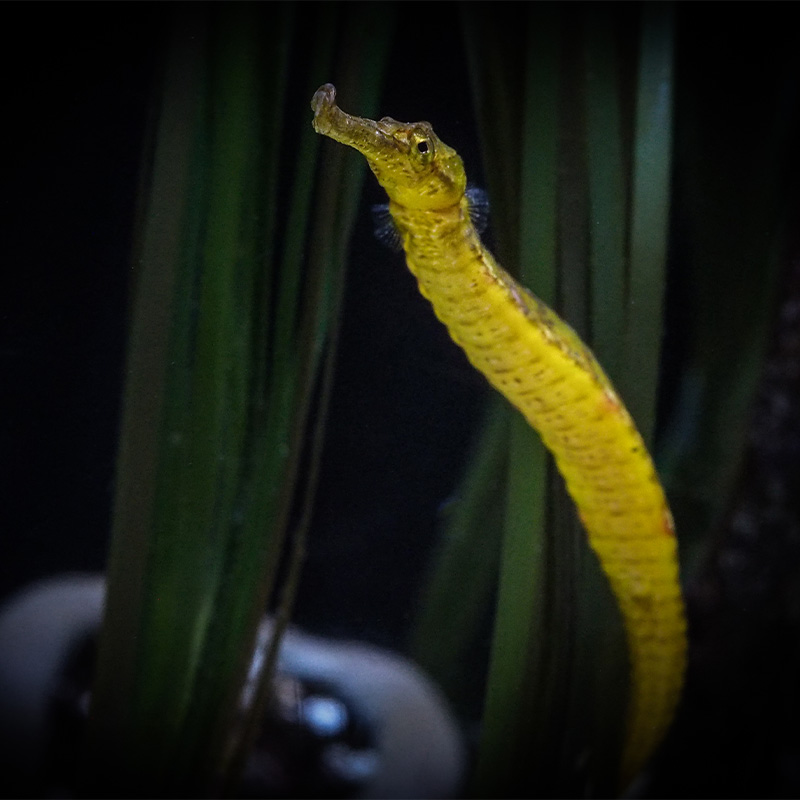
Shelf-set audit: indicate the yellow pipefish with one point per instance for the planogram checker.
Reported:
(543, 368)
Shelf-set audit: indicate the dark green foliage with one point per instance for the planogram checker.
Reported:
(232, 318)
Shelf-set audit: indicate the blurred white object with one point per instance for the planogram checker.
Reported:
(40, 628)
(417, 750)
(420, 751)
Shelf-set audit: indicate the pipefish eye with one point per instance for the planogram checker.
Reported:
(421, 142)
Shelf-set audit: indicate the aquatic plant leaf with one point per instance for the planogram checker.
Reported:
(231, 324)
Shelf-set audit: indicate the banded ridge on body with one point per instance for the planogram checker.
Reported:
(543, 368)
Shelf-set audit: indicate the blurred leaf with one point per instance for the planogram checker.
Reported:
(649, 217)
(608, 181)
(734, 146)
(358, 74)
(453, 603)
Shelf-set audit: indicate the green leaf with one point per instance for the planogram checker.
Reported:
(649, 217)
(454, 601)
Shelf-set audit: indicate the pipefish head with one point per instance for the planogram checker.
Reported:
(411, 163)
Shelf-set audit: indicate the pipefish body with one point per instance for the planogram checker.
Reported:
(529, 354)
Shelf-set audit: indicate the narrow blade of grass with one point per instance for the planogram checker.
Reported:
(463, 574)
(517, 705)
(116, 681)
(599, 694)
(358, 75)
(493, 75)
(649, 216)
(733, 177)
(607, 191)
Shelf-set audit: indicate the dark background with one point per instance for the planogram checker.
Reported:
(76, 82)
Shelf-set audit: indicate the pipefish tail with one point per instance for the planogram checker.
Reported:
(530, 355)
